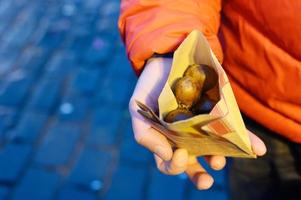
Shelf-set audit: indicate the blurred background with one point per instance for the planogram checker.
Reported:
(65, 131)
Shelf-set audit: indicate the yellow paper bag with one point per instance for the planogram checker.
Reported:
(220, 132)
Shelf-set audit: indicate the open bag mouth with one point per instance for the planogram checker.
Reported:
(218, 132)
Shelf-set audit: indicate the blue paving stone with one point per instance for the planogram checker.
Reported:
(60, 25)
(105, 24)
(99, 50)
(218, 190)
(8, 118)
(75, 194)
(59, 65)
(7, 60)
(110, 9)
(92, 4)
(85, 21)
(55, 35)
(120, 67)
(74, 108)
(69, 9)
(219, 176)
(14, 90)
(55, 64)
(114, 92)
(29, 127)
(210, 194)
(92, 166)
(36, 185)
(58, 144)
(86, 81)
(4, 23)
(127, 183)
(104, 126)
(80, 39)
(41, 29)
(5, 7)
(79, 43)
(7, 16)
(22, 29)
(131, 151)
(46, 96)
(72, 53)
(165, 187)
(12, 160)
(32, 59)
(92, 48)
(3, 192)
(82, 28)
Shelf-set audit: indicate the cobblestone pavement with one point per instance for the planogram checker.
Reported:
(65, 130)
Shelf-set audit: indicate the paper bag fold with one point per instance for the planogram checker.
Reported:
(220, 132)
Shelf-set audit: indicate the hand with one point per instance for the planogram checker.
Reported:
(147, 90)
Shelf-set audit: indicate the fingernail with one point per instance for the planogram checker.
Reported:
(162, 152)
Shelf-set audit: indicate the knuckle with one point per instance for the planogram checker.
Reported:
(163, 171)
(163, 168)
(176, 169)
(131, 104)
(139, 138)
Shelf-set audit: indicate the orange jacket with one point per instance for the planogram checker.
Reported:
(261, 42)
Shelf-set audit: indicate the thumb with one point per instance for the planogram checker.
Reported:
(257, 144)
(156, 143)
(150, 138)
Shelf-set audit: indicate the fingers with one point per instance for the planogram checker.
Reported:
(216, 162)
(147, 90)
(148, 137)
(257, 144)
(176, 165)
(152, 140)
(198, 175)
(182, 162)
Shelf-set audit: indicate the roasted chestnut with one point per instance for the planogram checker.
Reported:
(205, 105)
(177, 115)
(213, 94)
(197, 73)
(205, 75)
(187, 91)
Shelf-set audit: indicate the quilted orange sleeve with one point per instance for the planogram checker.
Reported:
(159, 26)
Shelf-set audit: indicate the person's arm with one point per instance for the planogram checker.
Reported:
(153, 26)
(159, 26)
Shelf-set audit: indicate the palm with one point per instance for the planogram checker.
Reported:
(151, 82)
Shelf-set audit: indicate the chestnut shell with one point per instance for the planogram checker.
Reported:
(178, 115)
(187, 91)
(205, 75)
